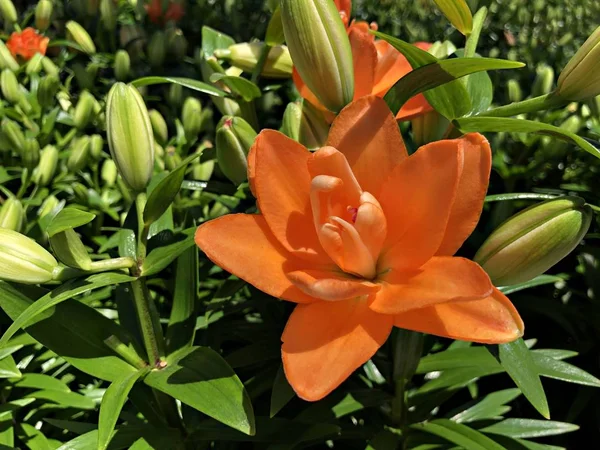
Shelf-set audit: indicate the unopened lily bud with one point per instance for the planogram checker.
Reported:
(80, 151)
(49, 206)
(157, 49)
(11, 90)
(108, 173)
(175, 95)
(580, 79)
(306, 124)
(30, 155)
(84, 110)
(544, 80)
(532, 241)
(8, 11)
(49, 66)
(12, 214)
(172, 158)
(202, 171)
(429, 127)
(14, 135)
(7, 61)
(176, 43)
(108, 14)
(122, 65)
(130, 137)
(47, 166)
(191, 117)
(234, 138)
(23, 260)
(34, 65)
(81, 37)
(246, 55)
(159, 127)
(96, 146)
(320, 48)
(515, 94)
(43, 14)
(69, 250)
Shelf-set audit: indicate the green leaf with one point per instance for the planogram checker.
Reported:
(519, 196)
(112, 403)
(519, 363)
(33, 437)
(281, 394)
(458, 377)
(458, 13)
(8, 368)
(64, 292)
(246, 89)
(7, 432)
(555, 353)
(540, 280)
(200, 378)
(491, 406)
(40, 381)
(159, 258)
(74, 331)
(275, 34)
(7, 408)
(67, 219)
(182, 323)
(213, 40)
(65, 399)
(560, 370)
(479, 86)
(461, 435)
(458, 358)
(165, 192)
(125, 436)
(185, 82)
(529, 428)
(499, 124)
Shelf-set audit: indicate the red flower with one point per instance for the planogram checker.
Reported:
(174, 12)
(27, 43)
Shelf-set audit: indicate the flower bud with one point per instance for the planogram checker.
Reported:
(306, 124)
(7, 60)
(81, 37)
(14, 135)
(50, 206)
(23, 260)
(12, 214)
(246, 55)
(320, 49)
(191, 117)
(175, 95)
(580, 79)
(34, 65)
(43, 14)
(49, 66)
(544, 80)
(30, 156)
(84, 110)
(172, 158)
(47, 166)
(129, 134)
(202, 171)
(11, 90)
(96, 146)
(80, 150)
(122, 65)
(532, 241)
(234, 139)
(159, 127)
(108, 14)
(429, 127)
(108, 173)
(515, 94)
(8, 11)
(157, 49)
(176, 43)
(69, 249)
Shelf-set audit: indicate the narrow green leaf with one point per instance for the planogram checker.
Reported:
(185, 82)
(33, 437)
(213, 40)
(159, 258)
(66, 399)
(281, 394)
(461, 435)
(8, 368)
(560, 370)
(458, 358)
(124, 437)
(246, 89)
(40, 381)
(67, 219)
(519, 196)
(7, 408)
(458, 377)
(519, 363)
(556, 353)
(540, 280)
(200, 378)
(529, 428)
(488, 407)
(275, 34)
(479, 86)
(112, 403)
(165, 192)
(458, 13)
(499, 124)
(7, 432)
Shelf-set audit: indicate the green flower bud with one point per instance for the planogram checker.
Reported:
(8, 11)
(50, 206)
(306, 124)
(159, 127)
(30, 156)
(515, 94)
(23, 260)
(544, 80)
(96, 146)
(157, 49)
(246, 55)
(81, 37)
(49, 66)
(47, 166)
(84, 110)
(130, 137)
(14, 135)
(202, 171)
(234, 139)
(11, 90)
(108, 14)
(122, 65)
(69, 250)
(580, 79)
(35, 64)
(320, 49)
(64, 100)
(80, 151)
(532, 241)
(43, 14)
(12, 214)
(191, 117)
(108, 173)
(172, 158)
(176, 43)
(429, 127)
(175, 95)
(7, 61)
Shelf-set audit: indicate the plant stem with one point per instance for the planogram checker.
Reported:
(105, 265)
(535, 104)
(144, 308)
(140, 204)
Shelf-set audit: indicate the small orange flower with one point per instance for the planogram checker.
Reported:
(377, 66)
(174, 12)
(360, 236)
(27, 43)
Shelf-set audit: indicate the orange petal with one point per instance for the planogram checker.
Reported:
(414, 107)
(331, 285)
(344, 7)
(367, 134)
(493, 320)
(442, 279)
(282, 185)
(391, 66)
(324, 342)
(331, 162)
(472, 187)
(416, 200)
(243, 245)
(364, 56)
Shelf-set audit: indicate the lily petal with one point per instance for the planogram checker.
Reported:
(282, 184)
(243, 245)
(472, 187)
(492, 320)
(417, 200)
(305, 91)
(330, 285)
(416, 106)
(364, 56)
(366, 132)
(442, 279)
(324, 342)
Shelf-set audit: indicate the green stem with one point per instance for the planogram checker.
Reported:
(140, 204)
(127, 353)
(260, 64)
(543, 102)
(144, 308)
(106, 265)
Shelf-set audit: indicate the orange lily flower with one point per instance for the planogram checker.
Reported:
(377, 66)
(174, 12)
(360, 235)
(27, 43)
